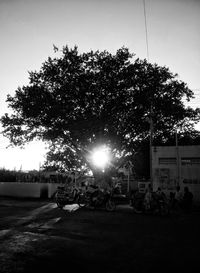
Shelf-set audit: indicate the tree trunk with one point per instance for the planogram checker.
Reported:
(102, 179)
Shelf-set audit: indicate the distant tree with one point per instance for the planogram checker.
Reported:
(7, 175)
(77, 101)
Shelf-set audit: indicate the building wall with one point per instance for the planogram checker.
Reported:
(173, 165)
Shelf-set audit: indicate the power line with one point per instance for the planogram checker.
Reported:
(145, 20)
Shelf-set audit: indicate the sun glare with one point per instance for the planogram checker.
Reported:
(100, 157)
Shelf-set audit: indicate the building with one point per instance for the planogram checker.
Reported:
(176, 165)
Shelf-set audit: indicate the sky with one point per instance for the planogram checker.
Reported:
(29, 28)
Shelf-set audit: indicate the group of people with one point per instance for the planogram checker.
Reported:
(183, 200)
(148, 201)
(153, 197)
(178, 199)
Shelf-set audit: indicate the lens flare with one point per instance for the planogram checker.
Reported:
(100, 157)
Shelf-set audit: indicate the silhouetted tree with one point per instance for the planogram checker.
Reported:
(77, 101)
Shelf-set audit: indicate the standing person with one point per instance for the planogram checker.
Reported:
(160, 195)
(187, 200)
(178, 196)
(148, 197)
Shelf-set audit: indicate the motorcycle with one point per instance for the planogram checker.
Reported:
(65, 197)
(97, 199)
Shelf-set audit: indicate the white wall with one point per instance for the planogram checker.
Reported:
(36, 190)
(166, 175)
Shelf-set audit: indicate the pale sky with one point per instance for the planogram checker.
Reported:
(29, 28)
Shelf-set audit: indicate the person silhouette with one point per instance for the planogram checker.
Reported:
(187, 200)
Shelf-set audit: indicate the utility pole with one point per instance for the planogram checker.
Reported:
(150, 146)
(177, 159)
(151, 109)
(128, 184)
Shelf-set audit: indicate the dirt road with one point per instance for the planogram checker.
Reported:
(37, 236)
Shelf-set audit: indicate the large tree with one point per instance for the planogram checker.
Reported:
(78, 101)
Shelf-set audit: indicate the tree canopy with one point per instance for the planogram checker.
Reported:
(78, 101)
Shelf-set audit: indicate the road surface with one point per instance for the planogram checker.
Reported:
(35, 236)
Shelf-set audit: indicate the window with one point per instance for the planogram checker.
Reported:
(167, 160)
(191, 181)
(190, 161)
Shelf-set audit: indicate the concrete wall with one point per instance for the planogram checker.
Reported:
(175, 165)
(35, 190)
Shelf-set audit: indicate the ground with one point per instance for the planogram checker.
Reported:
(35, 236)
